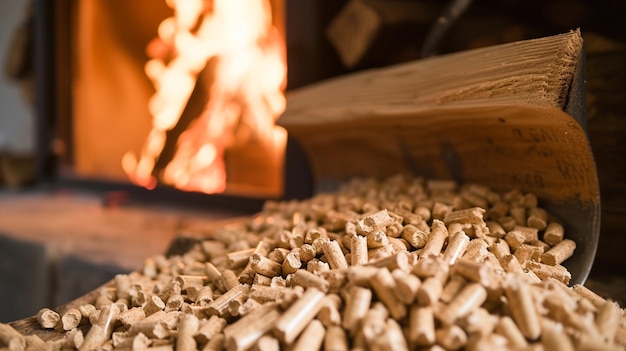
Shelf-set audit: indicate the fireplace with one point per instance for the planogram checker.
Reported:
(99, 103)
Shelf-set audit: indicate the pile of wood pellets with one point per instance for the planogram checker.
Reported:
(397, 264)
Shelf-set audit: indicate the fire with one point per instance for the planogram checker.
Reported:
(236, 44)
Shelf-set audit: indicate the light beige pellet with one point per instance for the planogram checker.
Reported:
(537, 218)
(267, 343)
(361, 275)
(317, 266)
(219, 306)
(559, 252)
(358, 250)
(334, 255)
(472, 215)
(213, 273)
(228, 280)
(377, 240)
(48, 318)
(497, 210)
(204, 296)
(210, 328)
(215, 344)
(608, 319)
(74, 338)
(86, 309)
(242, 334)
(135, 342)
(469, 298)
(456, 247)
(122, 287)
(307, 253)
(71, 319)
(589, 295)
(515, 238)
(429, 292)
(451, 337)
(507, 223)
(384, 286)
(291, 263)
(298, 315)
(476, 250)
(187, 281)
(545, 271)
(336, 339)
(399, 260)
(171, 288)
(395, 229)
(153, 305)
(187, 329)
(392, 338)
(479, 321)
(240, 258)
(407, 286)
(307, 279)
(174, 303)
(312, 337)
(507, 328)
(474, 271)
(373, 323)
(10, 338)
(239, 304)
(421, 326)
(452, 287)
(522, 308)
(101, 331)
(511, 264)
(414, 236)
(374, 222)
(553, 233)
(358, 300)
(265, 266)
(553, 337)
(433, 266)
(474, 199)
(263, 248)
(436, 239)
(131, 316)
(261, 280)
(495, 229)
(519, 214)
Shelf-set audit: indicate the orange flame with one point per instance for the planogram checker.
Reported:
(246, 95)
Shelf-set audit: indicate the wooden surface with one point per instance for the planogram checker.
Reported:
(79, 223)
(30, 325)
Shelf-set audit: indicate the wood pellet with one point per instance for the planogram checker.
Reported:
(397, 264)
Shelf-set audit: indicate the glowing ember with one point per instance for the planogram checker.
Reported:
(246, 54)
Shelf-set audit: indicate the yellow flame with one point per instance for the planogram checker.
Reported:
(245, 96)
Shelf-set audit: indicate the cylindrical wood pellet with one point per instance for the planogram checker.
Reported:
(297, 317)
